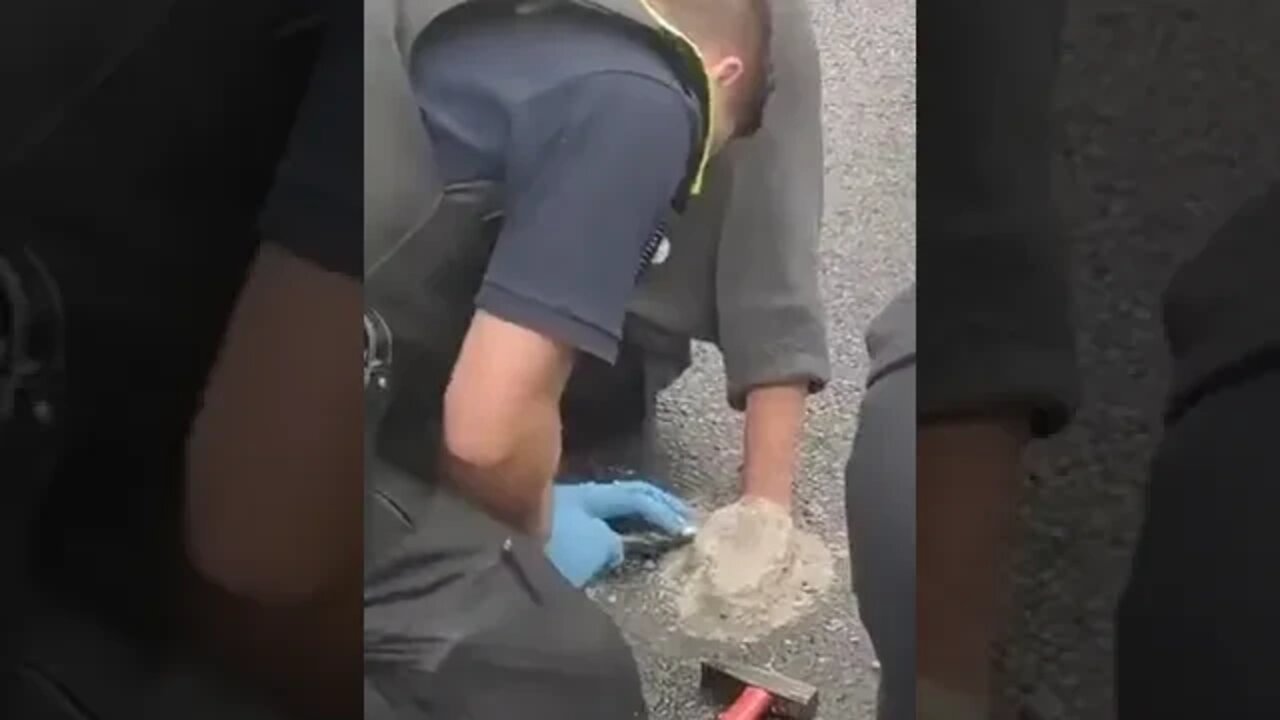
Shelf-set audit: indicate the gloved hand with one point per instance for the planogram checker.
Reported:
(582, 544)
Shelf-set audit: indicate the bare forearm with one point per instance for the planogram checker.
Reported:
(274, 464)
(771, 442)
(970, 472)
(274, 461)
(502, 421)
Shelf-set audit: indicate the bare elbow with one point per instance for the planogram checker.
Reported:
(217, 561)
(243, 568)
(501, 431)
(476, 441)
(243, 543)
(236, 533)
(504, 460)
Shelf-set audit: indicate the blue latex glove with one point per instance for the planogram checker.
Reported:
(582, 544)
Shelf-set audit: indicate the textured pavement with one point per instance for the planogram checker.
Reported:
(1168, 113)
(868, 50)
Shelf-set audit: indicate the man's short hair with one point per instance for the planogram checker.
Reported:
(743, 28)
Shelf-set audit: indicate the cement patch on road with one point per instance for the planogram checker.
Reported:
(750, 571)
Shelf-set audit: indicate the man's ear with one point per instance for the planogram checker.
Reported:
(726, 71)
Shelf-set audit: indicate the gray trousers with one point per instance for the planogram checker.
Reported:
(880, 492)
(464, 619)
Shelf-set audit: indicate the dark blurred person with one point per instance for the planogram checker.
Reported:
(880, 493)
(195, 516)
(1196, 628)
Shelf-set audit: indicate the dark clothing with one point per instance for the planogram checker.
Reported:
(994, 300)
(143, 181)
(314, 208)
(581, 137)
(588, 132)
(761, 262)
(743, 268)
(577, 155)
(1222, 310)
(880, 496)
(145, 198)
(488, 88)
(1196, 630)
(487, 626)
(1196, 633)
(1196, 627)
(463, 618)
(604, 405)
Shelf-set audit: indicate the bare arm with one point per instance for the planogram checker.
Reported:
(269, 515)
(771, 326)
(275, 458)
(970, 472)
(274, 486)
(588, 187)
(502, 420)
(274, 477)
(774, 425)
(995, 336)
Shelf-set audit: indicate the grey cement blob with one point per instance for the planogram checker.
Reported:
(749, 572)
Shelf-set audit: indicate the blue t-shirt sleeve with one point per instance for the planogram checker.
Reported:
(592, 169)
(315, 208)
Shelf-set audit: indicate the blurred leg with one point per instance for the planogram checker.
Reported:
(464, 619)
(1196, 628)
(609, 411)
(880, 493)
(604, 404)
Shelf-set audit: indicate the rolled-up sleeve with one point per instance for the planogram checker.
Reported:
(771, 327)
(994, 299)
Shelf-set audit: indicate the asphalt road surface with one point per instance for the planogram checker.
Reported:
(1168, 112)
(868, 50)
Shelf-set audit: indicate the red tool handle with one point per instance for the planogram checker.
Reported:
(752, 704)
